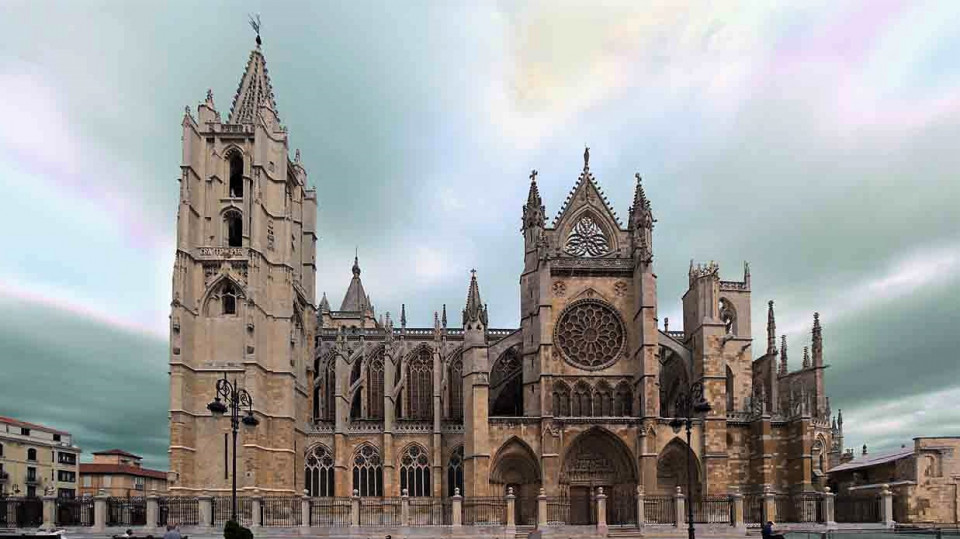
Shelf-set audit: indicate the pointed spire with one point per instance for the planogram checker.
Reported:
(806, 357)
(534, 211)
(840, 418)
(586, 191)
(324, 304)
(641, 216)
(403, 316)
(474, 311)
(817, 341)
(783, 355)
(436, 323)
(443, 319)
(355, 300)
(771, 330)
(254, 91)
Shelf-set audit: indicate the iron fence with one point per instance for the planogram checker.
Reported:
(526, 507)
(753, 510)
(622, 508)
(712, 510)
(490, 510)
(659, 509)
(75, 511)
(126, 512)
(857, 508)
(183, 511)
(805, 507)
(379, 511)
(330, 512)
(426, 512)
(222, 509)
(280, 511)
(558, 510)
(21, 512)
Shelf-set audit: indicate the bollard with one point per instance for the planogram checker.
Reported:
(205, 505)
(736, 501)
(405, 508)
(256, 504)
(601, 512)
(542, 509)
(827, 501)
(457, 508)
(100, 511)
(640, 516)
(305, 509)
(679, 518)
(511, 513)
(355, 509)
(886, 507)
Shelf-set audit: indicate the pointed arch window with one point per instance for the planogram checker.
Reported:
(455, 472)
(236, 175)
(582, 403)
(420, 385)
(623, 405)
(506, 385)
(318, 472)
(233, 228)
(455, 383)
(415, 472)
(368, 471)
(561, 399)
(730, 390)
(228, 300)
(375, 387)
(329, 383)
(603, 400)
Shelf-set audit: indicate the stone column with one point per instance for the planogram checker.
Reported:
(827, 509)
(457, 508)
(601, 512)
(511, 513)
(640, 516)
(736, 501)
(100, 511)
(405, 508)
(355, 509)
(153, 511)
(205, 506)
(886, 506)
(305, 509)
(256, 504)
(769, 504)
(542, 509)
(679, 518)
(49, 512)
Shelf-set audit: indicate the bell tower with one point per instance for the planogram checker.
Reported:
(243, 293)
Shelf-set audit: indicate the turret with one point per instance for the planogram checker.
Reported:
(817, 341)
(641, 224)
(533, 214)
(771, 330)
(475, 313)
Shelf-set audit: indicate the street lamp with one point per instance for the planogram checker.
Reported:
(236, 398)
(690, 403)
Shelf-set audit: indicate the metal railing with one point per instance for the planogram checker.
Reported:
(178, 510)
(21, 512)
(280, 511)
(484, 511)
(622, 509)
(380, 511)
(558, 510)
(330, 512)
(659, 509)
(126, 512)
(74, 511)
(753, 510)
(856, 508)
(222, 509)
(712, 510)
(427, 512)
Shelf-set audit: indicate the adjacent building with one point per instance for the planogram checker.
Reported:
(924, 478)
(118, 473)
(35, 460)
(580, 395)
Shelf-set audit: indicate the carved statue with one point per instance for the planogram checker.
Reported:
(586, 158)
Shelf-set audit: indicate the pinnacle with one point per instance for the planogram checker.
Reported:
(474, 310)
(254, 90)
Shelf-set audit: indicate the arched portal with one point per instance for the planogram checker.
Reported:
(516, 466)
(674, 377)
(672, 466)
(597, 458)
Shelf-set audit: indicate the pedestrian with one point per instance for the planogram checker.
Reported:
(766, 531)
(172, 532)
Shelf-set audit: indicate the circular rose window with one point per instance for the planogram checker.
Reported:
(590, 334)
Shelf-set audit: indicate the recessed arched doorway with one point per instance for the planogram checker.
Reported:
(516, 466)
(672, 469)
(597, 458)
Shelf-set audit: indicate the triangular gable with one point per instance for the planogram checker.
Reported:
(587, 193)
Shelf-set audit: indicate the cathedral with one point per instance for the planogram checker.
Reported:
(585, 393)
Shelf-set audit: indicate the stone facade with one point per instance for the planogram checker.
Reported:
(119, 474)
(36, 460)
(579, 396)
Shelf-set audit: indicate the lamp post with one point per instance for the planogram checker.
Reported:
(690, 403)
(236, 398)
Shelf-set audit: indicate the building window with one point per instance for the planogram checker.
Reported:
(32, 454)
(66, 458)
(138, 483)
(624, 403)
(318, 473)
(329, 385)
(236, 176)
(368, 472)
(229, 299)
(87, 482)
(375, 387)
(107, 481)
(56, 437)
(582, 404)
(31, 491)
(415, 472)
(603, 400)
(455, 472)
(420, 385)
(1, 450)
(24, 431)
(66, 493)
(455, 382)
(66, 477)
(31, 474)
(233, 224)
(561, 399)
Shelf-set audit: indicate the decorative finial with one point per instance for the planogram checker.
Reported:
(806, 357)
(403, 316)
(666, 325)
(255, 24)
(209, 95)
(443, 319)
(771, 330)
(296, 156)
(533, 175)
(586, 158)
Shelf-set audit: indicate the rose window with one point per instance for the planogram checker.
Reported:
(590, 334)
(586, 239)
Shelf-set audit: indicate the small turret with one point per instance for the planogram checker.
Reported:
(641, 223)
(475, 313)
(817, 341)
(783, 355)
(771, 330)
(534, 212)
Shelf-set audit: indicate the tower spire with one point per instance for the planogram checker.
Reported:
(533, 211)
(403, 316)
(783, 355)
(474, 311)
(771, 330)
(817, 341)
(806, 357)
(255, 89)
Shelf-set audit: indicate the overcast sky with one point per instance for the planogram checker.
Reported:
(818, 142)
